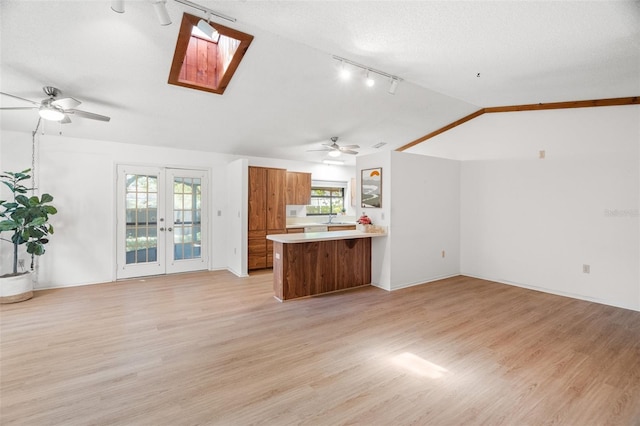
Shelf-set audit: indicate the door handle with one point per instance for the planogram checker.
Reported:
(169, 229)
(162, 229)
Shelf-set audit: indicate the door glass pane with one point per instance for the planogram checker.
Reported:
(186, 207)
(141, 215)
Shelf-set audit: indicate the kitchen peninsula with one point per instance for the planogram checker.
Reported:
(320, 262)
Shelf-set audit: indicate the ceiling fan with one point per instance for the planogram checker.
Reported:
(54, 108)
(335, 150)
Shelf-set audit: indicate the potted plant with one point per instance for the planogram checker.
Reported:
(26, 219)
(363, 223)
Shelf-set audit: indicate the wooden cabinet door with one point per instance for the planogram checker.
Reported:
(257, 198)
(257, 258)
(298, 188)
(276, 193)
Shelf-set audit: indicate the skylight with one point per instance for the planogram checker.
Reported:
(207, 60)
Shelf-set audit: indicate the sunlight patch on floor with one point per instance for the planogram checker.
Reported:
(419, 366)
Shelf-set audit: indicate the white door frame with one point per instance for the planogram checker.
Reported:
(165, 261)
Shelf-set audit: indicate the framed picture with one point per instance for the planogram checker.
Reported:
(371, 188)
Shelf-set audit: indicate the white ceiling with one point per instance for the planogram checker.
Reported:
(285, 97)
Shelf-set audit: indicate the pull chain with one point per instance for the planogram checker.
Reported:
(33, 172)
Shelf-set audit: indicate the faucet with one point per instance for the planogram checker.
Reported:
(331, 216)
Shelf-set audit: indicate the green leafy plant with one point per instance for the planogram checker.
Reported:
(26, 218)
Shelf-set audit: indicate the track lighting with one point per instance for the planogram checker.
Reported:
(208, 30)
(117, 6)
(393, 86)
(160, 6)
(369, 81)
(206, 10)
(345, 74)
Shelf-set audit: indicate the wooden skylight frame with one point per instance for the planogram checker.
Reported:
(180, 54)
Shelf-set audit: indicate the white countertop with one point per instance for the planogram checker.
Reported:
(322, 236)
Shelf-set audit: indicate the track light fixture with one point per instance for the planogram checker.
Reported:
(369, 81)
(393, 86)
(208, 30)
(207, 10)
(117, 6)
(160, 6)
(345, 74)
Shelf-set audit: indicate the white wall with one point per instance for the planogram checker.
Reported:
(237, 207)
(381, 255)
(81, 176)
(421, 209)
(535, 222)
(425, 218)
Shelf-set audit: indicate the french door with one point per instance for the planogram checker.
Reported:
(161, 221)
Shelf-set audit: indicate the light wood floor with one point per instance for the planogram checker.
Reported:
(210, 348)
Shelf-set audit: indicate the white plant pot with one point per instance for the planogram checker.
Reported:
(16, 288)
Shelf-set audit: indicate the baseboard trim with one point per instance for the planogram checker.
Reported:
(554, 292)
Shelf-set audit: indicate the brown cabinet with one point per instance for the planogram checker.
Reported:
(342, 228)
(298, 188)
(295, 230)
(267, 193)
(310, 268)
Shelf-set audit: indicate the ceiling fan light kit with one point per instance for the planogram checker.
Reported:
(334, 150)
(345, 74)
(51, 112)
(54, 108)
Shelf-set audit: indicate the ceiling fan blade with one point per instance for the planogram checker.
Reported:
(86, 114)
(22, 99)
(66, 103)
(350, 147)
(348, 151)
(17, 108)
(324, 150)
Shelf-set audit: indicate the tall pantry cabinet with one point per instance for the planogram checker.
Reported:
(267, 193)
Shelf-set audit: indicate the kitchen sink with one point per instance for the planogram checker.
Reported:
(338, 223)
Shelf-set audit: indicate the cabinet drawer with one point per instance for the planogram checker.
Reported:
(342, 228)
(295, 231)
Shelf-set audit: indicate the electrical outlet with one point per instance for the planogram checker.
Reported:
(542, 154)
(443, 253)
(292, 212)
(586, 269)
(219, 212)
